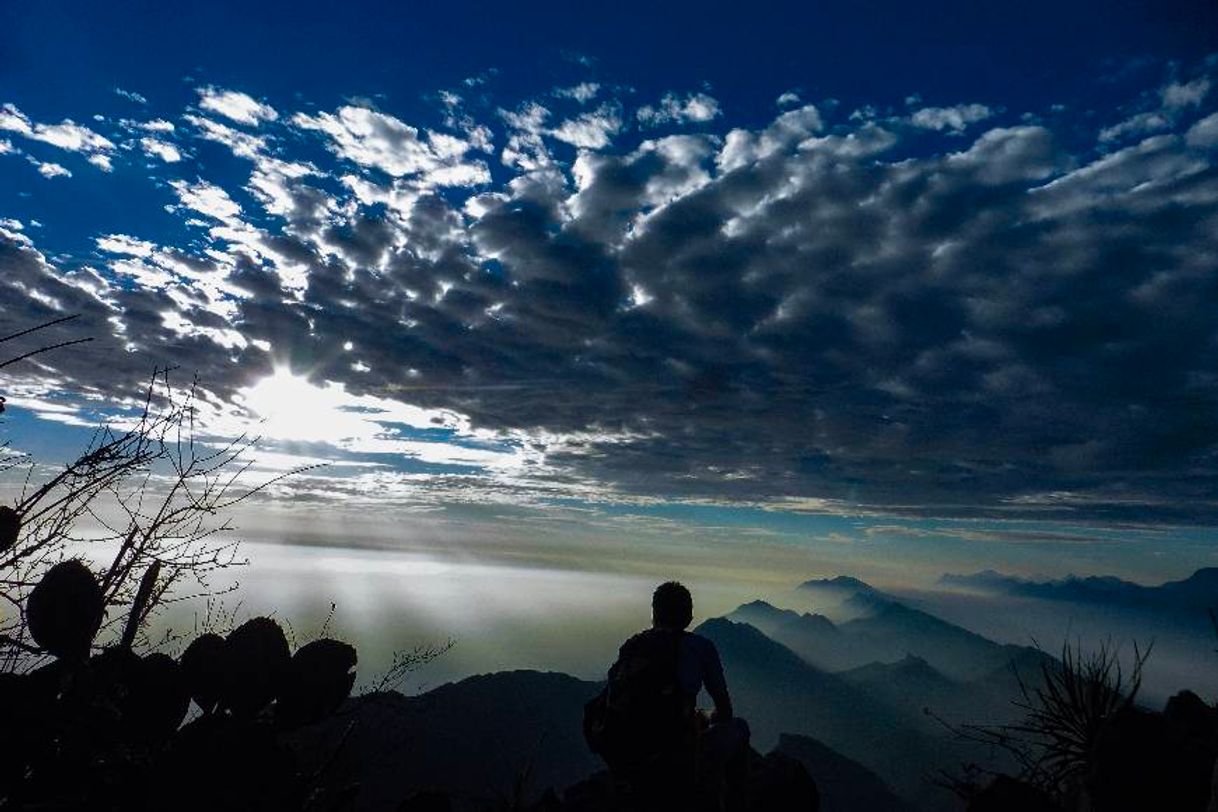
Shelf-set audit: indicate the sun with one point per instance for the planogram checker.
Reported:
(293, 409)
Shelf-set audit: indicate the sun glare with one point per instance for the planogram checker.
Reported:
(293, 409)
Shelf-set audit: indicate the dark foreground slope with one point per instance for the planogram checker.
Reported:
(476, 739)
(473, 739)
(845, 785)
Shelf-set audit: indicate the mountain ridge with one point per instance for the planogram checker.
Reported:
(1195, 592)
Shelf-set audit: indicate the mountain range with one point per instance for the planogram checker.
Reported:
(1198, 592)
(847, 700)
(884, 630)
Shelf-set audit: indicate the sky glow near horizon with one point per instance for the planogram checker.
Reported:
(975, 312)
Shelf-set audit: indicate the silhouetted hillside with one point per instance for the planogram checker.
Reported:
(845, 785)
(470, 739)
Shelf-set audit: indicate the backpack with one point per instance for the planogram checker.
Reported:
(641, 713)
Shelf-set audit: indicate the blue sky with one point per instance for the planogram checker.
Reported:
(920, 263)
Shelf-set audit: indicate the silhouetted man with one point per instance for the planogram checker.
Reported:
(645, 722)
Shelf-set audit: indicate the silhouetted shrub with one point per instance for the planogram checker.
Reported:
(1085, 744)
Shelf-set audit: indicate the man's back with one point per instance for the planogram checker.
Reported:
(644, 683)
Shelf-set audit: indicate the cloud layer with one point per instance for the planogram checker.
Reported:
(647, 302)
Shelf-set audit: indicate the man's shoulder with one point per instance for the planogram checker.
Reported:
(643, 638)
(699, 643)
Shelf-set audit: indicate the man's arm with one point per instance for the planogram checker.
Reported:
(716, 685)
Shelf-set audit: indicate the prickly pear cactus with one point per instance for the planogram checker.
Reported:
(65, 610)
(258, 658)
(10, 527)
(318, 680)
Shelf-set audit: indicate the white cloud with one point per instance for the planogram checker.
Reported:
(590, 130)
(1010, 154)
(67, 135)
(1204, 133)
(696, 107)
(130, 96)
(525, 149)
(157, 125)
(866, 140)
(1141, 124)
(125, 245)
(792, 127)
(207, 198)
(236, 106)
(50, 170)
(954, 118)
(160, 149)
(1174, 99)
(14, 120)
(787, 99)
(380, 141)
(242, 144)
(583, 92)
(272, 183)
(102, 162)
(1188, 94)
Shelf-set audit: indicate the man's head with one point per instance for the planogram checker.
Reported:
(672, 607)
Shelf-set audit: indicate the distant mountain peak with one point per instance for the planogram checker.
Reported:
(847, 581)
(1203, 575)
